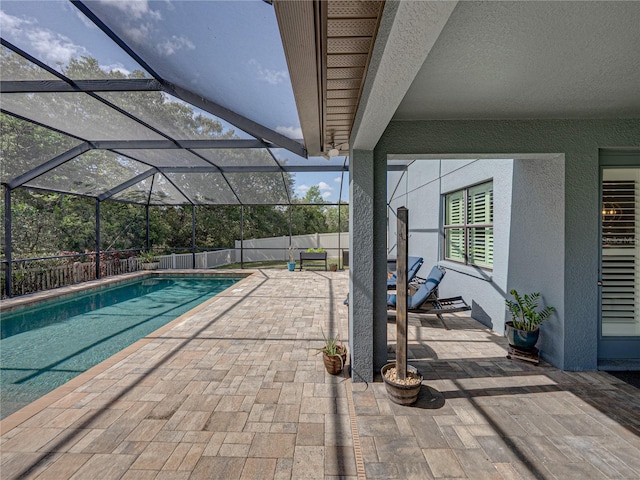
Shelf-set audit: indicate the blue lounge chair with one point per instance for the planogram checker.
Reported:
(425, 300)
(413, 265)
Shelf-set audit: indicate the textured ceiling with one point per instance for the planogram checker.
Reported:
(502, 60)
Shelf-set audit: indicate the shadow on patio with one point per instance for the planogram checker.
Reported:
(481, 415)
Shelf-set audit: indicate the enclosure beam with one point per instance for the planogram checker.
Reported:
(401, 294)
(60, 86)
(147, 242)
(179, 144)
(241, 236)
(97, 238)
(50, 165)
(8, 268)
(129, 183)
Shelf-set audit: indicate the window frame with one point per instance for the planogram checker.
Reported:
(465, 226)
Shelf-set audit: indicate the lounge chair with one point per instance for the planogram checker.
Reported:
(425, 300)
(413, 265)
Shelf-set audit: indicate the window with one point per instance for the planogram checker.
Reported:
(468, 226)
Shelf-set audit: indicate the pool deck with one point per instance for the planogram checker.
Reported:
(234, 389)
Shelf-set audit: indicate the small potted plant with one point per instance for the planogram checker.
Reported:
(291, 264)
(334, 354)
(523, 330)
(148, 260)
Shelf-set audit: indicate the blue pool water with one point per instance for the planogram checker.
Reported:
(46, 345)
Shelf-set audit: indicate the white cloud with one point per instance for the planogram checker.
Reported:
(116, 67)
(291, 132)
(326, 195)
(11, 24)
(134, 8)
(324, 187)
(173, 44)
(302, 190)
(272, 77)
(49, 46)
(338, 179)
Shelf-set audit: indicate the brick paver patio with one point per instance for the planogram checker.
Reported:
(235, 389)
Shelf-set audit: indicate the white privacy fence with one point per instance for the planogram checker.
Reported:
(260, 250)
(277, 248)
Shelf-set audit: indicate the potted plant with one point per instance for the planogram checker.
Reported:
(334, 354)
(523, 330)
(291, 264)
(148, 260)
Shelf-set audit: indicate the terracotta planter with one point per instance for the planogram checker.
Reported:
(150, 265)
(521, 339)
(399, 393)
(335, 363)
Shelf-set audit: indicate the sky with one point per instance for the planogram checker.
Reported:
(239, 40)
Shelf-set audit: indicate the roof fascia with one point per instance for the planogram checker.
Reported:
(406, 35)
(301, 32)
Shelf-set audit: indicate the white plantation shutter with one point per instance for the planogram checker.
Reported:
(619, 263)
(455, 208)
(479, 218)
(468, 225)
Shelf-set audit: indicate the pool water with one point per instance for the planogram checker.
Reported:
(46, 345)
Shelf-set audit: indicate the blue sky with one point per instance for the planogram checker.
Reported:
(240, 41)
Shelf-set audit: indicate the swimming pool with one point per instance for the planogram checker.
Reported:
(45, 345)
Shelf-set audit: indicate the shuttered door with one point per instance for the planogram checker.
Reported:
(620, 266)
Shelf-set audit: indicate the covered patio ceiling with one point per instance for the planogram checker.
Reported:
(157, 103)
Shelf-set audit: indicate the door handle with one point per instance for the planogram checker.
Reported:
(599, 283)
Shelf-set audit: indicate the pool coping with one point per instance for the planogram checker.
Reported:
(9, 304)
(20, 416)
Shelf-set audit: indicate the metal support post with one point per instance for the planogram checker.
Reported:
(241, 236)
(8, 268)
(147, 242)
(193, 234)
(97, 239)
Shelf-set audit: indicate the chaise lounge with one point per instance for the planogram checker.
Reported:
(425, 300)
(413, 265)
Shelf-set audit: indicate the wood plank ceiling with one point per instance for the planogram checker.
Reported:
(328, 45)
(351, 27)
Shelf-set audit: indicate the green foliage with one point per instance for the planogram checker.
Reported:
(525, 312)
(49, 223)
(332, 345)
(315, 250)
(147, 256)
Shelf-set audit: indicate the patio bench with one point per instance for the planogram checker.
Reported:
(315, 257)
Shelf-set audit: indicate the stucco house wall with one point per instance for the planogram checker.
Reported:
(578, 142)
(528, 230)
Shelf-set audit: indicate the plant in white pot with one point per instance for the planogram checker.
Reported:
(148, 260)
(526, 317)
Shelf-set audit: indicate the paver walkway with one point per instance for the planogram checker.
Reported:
(235, 390)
